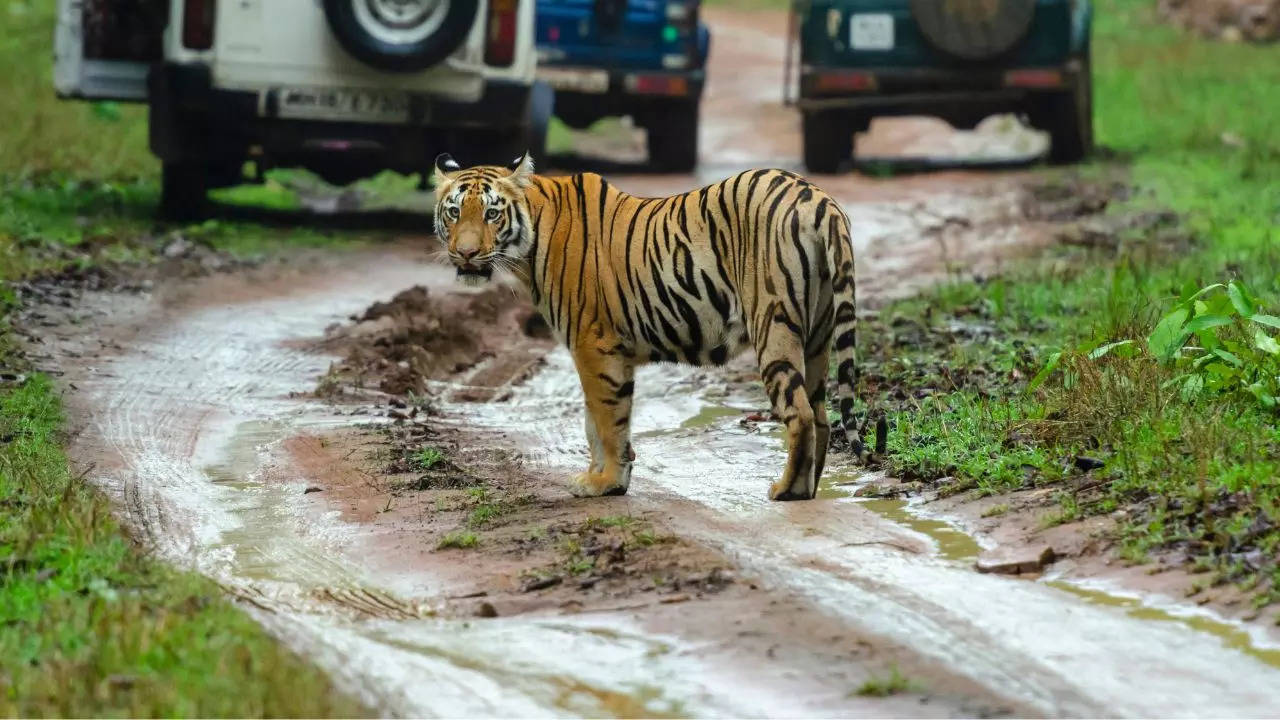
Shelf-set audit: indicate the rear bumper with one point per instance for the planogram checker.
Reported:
(903, 91)
(191, 118)
(189, 89)
(639, 93)
(628, 86)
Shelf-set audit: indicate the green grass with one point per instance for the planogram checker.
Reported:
(427, 458)
(1197, 475)
(885, 685)
(89, 626)
(483, 514)
(996, 510)
(459, 539)
(618, 521)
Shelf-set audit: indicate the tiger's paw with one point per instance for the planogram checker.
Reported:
(784, 490)
(591, 484)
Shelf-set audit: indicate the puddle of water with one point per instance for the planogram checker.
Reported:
(952, 543)
(956, 545)
(1233, 636)
(709, 415)
(270, 542)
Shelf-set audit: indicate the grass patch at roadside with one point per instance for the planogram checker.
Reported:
(89, 626)
(1186, 466)
(894, 683)
(461, 540)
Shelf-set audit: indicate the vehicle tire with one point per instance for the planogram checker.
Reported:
(401, 35)
(973, 29)
(1068, 116)
(673, 138)
(184, 188)
(225, 174)
(828, 141)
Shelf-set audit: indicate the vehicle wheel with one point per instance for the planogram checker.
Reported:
(828, 142)
(184, 190)
(1068, 116)
(673, 138)
(225, 174)
(400, 35)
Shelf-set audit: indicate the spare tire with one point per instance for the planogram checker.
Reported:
(400, 35)
(973, 29)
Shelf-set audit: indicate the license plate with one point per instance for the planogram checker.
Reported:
(871, 31)
(584, 81)
(383, 106)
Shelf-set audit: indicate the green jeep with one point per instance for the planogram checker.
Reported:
(960, 60)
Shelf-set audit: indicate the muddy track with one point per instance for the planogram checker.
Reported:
(187, 427)
(192, 408)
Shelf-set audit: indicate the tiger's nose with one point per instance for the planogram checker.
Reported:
(468, 253)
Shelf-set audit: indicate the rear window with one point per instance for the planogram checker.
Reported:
(131, 30)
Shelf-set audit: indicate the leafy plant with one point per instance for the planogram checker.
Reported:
(427, 458)
(1216, 339)
(1220, 342)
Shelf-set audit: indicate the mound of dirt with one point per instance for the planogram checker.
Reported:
(1230, 20)
(397, 346)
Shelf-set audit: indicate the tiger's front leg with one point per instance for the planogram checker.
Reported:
(607, 386)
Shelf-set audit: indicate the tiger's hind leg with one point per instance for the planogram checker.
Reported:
(607, 386)
(784, 382)
(815, 376)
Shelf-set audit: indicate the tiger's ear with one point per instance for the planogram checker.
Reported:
(445, 167)
(522, 171)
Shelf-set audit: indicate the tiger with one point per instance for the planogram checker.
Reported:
(763, 259)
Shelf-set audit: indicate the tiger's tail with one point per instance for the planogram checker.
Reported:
(845, 331)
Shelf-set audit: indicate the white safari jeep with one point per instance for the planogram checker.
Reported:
(343, 87)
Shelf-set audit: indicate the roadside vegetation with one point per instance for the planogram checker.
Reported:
(1138, 377)
(89, 624)
(892, 683)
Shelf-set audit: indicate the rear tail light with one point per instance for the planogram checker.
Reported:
(657, 84)
(197, 23)
(843, 81)
(500, 33)
(1033, 78)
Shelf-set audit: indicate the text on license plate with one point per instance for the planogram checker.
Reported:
(871, 31)
(586, 81)
(340, 104)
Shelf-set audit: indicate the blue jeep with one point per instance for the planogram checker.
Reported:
(643, 58)
(959, 60)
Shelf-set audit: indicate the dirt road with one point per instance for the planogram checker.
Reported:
(193, 409)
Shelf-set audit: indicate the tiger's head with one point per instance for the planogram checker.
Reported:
(481, 215)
